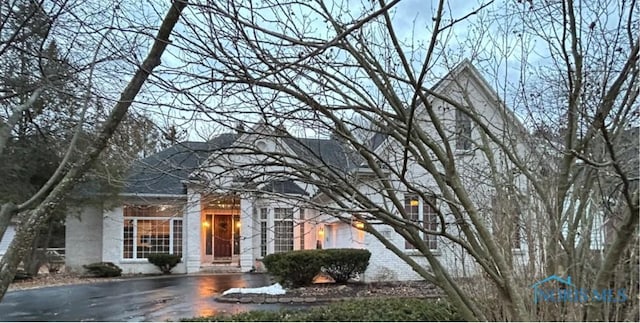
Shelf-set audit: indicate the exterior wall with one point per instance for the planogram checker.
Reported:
(473, 169)
(191, 234)
(311, 228)
(6, 239)
(384, 265)
(342, 235)
(83, 237)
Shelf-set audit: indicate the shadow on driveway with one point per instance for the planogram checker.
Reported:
(150, 299)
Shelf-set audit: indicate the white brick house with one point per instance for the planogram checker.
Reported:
(185, 200)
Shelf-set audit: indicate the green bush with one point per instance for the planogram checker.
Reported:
(345, 264)
(22, 275)
(103, 269)
(164, 261)
(364, 310)
(295, 268)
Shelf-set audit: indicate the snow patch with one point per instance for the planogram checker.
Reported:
(275, 289)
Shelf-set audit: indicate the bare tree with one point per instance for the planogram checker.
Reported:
(35, 211)
(528, 164)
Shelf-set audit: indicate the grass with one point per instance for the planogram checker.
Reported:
(364, 310)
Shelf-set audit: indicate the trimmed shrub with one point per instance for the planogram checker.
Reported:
(364, 310)
(22, 275)
(295, 268)
(164, 261)
(345, 264)
(103, 269)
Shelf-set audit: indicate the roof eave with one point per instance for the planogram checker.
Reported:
(147, 195)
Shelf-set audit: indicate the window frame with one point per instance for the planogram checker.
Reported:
(464, 132)
(267, 218)
(173, 221)
(264, 231)
(427, 218)
(287, 222)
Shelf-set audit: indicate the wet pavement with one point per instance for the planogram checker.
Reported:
(149, 299)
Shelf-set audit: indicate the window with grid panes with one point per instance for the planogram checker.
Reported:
(283, 229)
(425, 216)
(151, 229)
(264, 213)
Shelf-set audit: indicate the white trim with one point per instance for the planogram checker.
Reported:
(134, 255)
(153, 195)
(171, 237)
(368, 171)
(134, 261)
(416, 253)
(134, 251)
(168, 218)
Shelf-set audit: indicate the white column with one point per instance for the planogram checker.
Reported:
(247, 232)
(112, 237)
(191, 237)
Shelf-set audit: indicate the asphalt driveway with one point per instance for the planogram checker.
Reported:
(149, 299)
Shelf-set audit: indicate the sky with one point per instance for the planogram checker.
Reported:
(412, 21)
(492, 39)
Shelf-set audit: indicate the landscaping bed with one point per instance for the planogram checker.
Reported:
(64, 278)
(57, 279)
(361, 310)
(333, 292)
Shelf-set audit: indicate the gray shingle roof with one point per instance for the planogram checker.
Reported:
(163, 173)
(325, 151)
(284, 187)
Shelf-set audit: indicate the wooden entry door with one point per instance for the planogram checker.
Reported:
(222, 236)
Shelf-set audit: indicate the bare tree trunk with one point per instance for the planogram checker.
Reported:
(613, 255)
(34, 259)
(31, 221)
(16, 114)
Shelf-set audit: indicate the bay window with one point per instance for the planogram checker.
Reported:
(150, 229)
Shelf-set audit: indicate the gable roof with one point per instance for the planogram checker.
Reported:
(324, 151)
(465, 66)
(163, 172)
(284, 187)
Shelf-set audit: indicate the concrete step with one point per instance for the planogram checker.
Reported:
(220, 269)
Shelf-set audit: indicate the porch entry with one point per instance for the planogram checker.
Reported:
(222, 239)
(221, 230)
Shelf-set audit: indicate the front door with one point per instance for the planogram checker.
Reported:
(222, 236)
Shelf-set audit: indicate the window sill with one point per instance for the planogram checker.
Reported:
(517, 252)
(134, 261)
(414, 253)
(464, 152)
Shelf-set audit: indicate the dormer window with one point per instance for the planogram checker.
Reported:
(463, 131)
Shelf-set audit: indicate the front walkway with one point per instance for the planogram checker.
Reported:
(150, 299)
